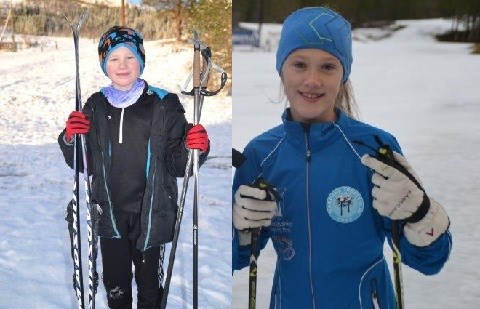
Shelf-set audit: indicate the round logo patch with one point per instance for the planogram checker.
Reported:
(345, 204)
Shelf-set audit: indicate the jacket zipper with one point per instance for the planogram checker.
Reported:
(308, 157)
(120, 127)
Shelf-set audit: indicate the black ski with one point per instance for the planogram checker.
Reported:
(80, 146)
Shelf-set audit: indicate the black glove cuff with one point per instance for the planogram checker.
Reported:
(421, 211)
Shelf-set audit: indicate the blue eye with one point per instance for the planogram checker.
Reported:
(328, 66)
(299, 64)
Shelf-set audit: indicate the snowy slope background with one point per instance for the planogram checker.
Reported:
(427, 94)
(37, 92)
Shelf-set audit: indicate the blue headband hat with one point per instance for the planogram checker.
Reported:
(316, 27)
(116, 37)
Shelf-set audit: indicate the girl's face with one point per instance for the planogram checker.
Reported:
(312, 79)
(122, 68)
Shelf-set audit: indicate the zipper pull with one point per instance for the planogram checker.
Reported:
(373, 285)
(120, 128)
(306, 129)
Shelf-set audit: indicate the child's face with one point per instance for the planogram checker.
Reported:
(122, 68)
(312, 79)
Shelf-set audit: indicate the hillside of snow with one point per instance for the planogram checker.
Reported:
(37, 93)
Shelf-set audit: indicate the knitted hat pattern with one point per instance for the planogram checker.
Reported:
(316, 27)
(116, 37)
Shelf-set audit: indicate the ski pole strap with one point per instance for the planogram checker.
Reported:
(200, 80)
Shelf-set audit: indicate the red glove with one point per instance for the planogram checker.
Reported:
(77, 123)
(197, 138)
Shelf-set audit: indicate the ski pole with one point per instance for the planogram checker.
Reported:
(397, 259)
(385, 153)
(197, 97)
(237, 160)
(199, 91)
(252, 273)
(255, 233)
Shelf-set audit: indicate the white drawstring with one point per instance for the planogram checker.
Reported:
(120, 129)
(346, 139)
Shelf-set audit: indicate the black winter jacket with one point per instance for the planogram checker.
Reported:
(166, 157)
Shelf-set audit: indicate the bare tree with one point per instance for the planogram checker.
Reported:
(178, 9)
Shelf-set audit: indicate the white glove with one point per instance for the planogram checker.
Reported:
(427, 230)
(252, 208)
(395, 195)
(401, 197)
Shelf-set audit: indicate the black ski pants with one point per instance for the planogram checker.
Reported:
(117, 257)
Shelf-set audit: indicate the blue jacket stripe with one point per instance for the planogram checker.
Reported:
(150, 215)
(149, 155)
(160, 92)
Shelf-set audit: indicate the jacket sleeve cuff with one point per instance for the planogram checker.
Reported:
(64, 138)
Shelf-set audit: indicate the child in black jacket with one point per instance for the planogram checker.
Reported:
(138, 141)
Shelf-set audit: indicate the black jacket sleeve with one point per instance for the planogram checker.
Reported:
(177, 153)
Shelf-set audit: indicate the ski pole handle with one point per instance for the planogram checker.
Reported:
(237, 158)
(261, 183)
(196, 62)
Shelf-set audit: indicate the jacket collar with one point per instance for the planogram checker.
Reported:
(319, 135)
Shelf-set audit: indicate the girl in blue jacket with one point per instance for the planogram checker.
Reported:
(335, 197)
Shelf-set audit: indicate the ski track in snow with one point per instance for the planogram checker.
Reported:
(426, 94)
(37, 92)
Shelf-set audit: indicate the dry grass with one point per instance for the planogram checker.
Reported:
(476, 49)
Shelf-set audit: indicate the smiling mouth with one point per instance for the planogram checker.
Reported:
(311, 96)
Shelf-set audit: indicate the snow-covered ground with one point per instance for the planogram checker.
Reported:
(427, 94)
(37, 92)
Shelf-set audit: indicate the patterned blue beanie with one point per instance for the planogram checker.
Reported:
(116, 37)
(316, 27)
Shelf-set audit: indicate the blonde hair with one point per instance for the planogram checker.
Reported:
(345, 100)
